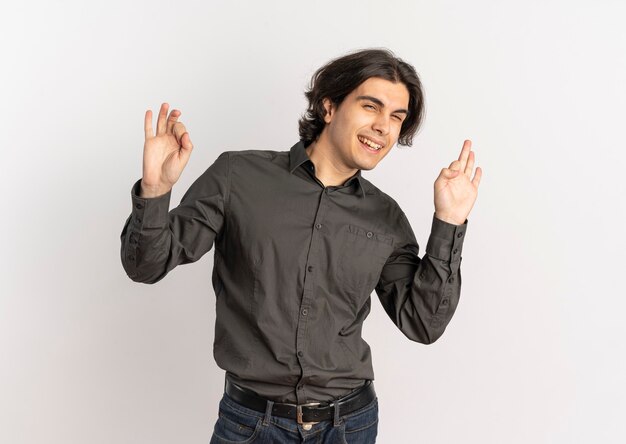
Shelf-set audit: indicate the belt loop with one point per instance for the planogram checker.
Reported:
(268, 412)
(336, 421)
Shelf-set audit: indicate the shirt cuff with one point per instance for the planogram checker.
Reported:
(446, 240)
(149, 212)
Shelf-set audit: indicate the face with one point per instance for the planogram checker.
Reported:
(374, 111)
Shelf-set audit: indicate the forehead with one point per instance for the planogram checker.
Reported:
(392, 94)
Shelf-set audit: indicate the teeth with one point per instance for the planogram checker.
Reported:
(370, 143)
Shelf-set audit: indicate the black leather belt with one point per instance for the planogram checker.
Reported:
(309, 412)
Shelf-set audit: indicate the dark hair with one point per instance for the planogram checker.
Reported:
(342, 75)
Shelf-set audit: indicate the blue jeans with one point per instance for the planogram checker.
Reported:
(239, 424)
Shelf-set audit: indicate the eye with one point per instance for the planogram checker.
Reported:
(371, 106)
(399, 118)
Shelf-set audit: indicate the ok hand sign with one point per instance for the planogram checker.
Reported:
(165, 154)
(455, 189)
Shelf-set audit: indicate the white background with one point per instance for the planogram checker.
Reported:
(535, 352)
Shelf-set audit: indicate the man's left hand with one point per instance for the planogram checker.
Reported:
(455, 189)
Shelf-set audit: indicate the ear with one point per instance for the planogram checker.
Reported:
(330, 109)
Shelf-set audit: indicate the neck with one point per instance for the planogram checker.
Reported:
(328, 168)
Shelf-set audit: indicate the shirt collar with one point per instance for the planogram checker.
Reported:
(298, 155)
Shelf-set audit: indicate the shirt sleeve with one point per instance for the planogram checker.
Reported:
(154, 241)
(421, 295)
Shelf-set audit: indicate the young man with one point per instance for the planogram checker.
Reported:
(301, 241)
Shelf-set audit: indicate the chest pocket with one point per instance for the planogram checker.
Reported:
(363, 254)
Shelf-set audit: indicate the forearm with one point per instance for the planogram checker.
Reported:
(154, 241)
(434, 296)
(421, 295)
(146, 238)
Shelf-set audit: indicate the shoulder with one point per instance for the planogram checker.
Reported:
(258, 160)
(253, 154)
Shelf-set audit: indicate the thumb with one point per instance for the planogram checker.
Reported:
(450, 173)
(185, 149)
(185, 142)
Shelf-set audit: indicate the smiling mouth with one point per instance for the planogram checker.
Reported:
(368, 147)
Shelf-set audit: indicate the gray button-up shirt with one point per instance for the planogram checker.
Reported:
(295, 265)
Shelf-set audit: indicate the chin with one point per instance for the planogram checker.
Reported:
(368, 167)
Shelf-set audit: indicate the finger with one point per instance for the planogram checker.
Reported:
(161, 127)
(467, 146)
(147, 125)
(477, 176)
(171, 120)
(470, 164)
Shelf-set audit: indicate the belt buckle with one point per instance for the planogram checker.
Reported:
(299, 410)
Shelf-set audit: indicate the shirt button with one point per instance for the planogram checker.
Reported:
(138, 220)
(455, 251)
(310, 268)
(451, 279)
(304, 312)
(422, 276)
(300, 387)
(139, 206)
(300, 354)
(444, 302)
(370, 234)
(318, 226)
(459, 235)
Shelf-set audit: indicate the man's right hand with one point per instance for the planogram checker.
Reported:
(164, 154)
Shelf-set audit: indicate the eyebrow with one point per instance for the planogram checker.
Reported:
(380, 103)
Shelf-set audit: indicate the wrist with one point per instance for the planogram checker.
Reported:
(147, 192)
(449, 219)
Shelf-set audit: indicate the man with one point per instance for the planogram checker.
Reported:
(301, 241)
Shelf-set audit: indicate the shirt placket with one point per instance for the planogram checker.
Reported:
(311, 270)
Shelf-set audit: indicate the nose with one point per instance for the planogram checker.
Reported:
(381, 124)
